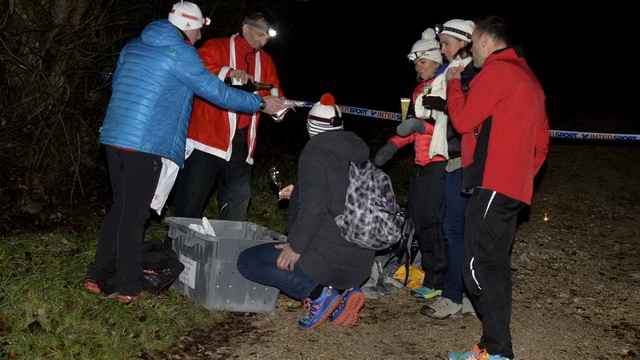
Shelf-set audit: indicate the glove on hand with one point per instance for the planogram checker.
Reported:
(385, 153)
(410, 126)
(434, 103)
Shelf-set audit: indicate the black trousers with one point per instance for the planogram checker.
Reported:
(134, 177)
(204, 173)
(426, 209)
(489, 231)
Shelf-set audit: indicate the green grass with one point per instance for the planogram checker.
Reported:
(45, 312)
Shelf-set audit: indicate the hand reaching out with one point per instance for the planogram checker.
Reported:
(274, 104)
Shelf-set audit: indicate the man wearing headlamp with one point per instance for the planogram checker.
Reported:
(267, 29)
(224, 141)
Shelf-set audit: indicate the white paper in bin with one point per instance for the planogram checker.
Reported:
(211, 276)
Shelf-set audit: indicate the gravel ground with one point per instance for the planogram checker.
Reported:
(576, 283)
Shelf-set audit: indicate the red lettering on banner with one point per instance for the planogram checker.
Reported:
(386, 115)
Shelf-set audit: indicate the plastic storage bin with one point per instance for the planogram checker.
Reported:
(211, 275)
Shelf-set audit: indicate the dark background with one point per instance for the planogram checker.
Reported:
(357, 51)
(56, 56)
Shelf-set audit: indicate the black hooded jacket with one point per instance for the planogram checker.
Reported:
(318, 196)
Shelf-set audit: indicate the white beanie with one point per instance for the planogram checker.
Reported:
(459, 29)
(427, 47)
(324, 116)
(187, 16)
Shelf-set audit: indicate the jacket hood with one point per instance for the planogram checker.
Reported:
(162, 33)
(341, 144)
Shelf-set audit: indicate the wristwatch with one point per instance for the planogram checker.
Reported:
(263, 104)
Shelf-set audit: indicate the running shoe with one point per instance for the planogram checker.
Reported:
(346, 313)
(317, 311)
(475, 354)
(127, 299)
(424, 292)
(467, 307)
(91, 286)
(442, 308)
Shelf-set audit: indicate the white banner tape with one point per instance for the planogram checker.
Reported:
(552, 133)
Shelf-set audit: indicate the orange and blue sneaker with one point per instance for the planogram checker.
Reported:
(317, 311)
(346, 312)
(476, 354)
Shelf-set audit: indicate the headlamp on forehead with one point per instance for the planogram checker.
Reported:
(416, 54)
(269, 30)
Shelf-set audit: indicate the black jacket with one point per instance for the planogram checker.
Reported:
(454, 140)
(318, 196)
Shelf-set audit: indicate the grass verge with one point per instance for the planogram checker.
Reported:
(45, 312)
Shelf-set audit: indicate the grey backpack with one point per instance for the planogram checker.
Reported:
(372, 219)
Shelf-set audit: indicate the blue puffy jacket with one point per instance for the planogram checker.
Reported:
(152, 93)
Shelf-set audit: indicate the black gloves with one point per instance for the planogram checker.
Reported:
(385, 153)
(434, 103)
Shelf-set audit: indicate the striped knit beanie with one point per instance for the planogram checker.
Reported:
(324, 116)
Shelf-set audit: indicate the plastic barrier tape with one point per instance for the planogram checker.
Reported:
(552, 133)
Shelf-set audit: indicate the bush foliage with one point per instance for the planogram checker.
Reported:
(56, 59)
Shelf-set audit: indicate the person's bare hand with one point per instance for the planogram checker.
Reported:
(274, 104)
(240, 75)
(455, 72)
(285, 192)
(287, 258)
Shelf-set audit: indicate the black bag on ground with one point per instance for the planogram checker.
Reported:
(160, 265)
(406, 251)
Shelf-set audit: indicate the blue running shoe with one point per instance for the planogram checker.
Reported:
(346, 313)
(424, 292)
(475, 354)
(317, 311)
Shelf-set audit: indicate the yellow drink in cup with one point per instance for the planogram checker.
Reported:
(404, 107)
(426, 88)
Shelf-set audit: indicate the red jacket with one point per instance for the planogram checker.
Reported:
(212, 128)
(421, 141)
(509, 97)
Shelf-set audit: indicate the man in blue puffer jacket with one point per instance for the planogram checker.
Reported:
(154, 83)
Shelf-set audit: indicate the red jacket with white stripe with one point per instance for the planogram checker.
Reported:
(212, 128)
(508, 101)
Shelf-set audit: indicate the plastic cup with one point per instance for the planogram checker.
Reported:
(404, 107)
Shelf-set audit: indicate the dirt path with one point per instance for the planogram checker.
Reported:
(576, 283)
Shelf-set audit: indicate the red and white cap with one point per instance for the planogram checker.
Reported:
(187, 16)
